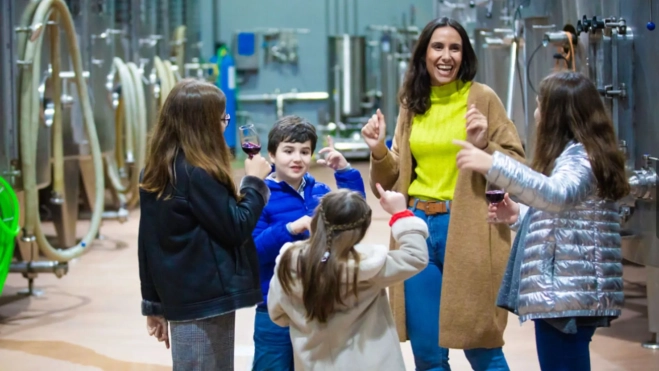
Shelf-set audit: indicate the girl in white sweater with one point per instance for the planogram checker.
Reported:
(330, 289)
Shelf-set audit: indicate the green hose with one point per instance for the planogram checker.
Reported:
(9, 228)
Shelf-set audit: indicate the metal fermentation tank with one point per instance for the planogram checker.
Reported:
(346, 81)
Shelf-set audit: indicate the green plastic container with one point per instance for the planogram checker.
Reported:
(9, 228)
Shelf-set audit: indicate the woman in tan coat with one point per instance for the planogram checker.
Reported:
(330, 289)
(441, 102)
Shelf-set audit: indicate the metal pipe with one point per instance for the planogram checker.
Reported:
(615, 105)
(356, 19)
(336, 17)
(557, 38)
(59, 269)
(280, 98)
(272, 97)
(327, 17)
(347, 72)
(336, 93)
(71, 75)
(511, 79)
(345, 17)
(120, 215)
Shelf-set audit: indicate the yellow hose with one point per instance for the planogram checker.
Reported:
(26, 20)
(170, 75)
(29, 126)
(119, 134)
(56, 135)
(140, 129)
(130, 119)
(128, 96)
(179, 47)
(163, 76)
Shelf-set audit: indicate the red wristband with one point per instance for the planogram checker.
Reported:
(400, 215)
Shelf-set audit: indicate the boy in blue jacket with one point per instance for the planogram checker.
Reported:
(294, 195)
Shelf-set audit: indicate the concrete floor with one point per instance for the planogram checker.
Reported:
(90, 319)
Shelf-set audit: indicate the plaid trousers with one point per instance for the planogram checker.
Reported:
(205, 344)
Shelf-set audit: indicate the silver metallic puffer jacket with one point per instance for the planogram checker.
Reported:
(572, 262)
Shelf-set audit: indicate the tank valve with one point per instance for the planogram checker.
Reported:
(625, 212)
(28, 239)
(644, 181)
(130, 159)
(622, 146)
(122, 214)
(56, 198)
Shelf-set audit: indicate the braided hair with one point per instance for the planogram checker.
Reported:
(339, 223)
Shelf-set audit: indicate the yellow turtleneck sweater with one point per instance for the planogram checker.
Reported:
(431, 142)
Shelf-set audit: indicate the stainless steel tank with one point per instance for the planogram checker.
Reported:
(122, 21)
(193, 31)
(8, 97)
(496, 50)
(393, 66)
(44, 139)
(145, 30)
(104, 36)
(163, 29)
(346, 82)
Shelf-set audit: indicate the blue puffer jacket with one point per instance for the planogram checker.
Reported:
(287, 205)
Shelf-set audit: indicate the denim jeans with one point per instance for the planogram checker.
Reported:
(422, 297)
(558, 351)
(273, 350)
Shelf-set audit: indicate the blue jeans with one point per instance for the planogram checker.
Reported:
(422, 297)
(558, 351)
(273, 350)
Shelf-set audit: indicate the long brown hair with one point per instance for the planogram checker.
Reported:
(190, 121)
(571, 109)
(339, 223)
(415, 92)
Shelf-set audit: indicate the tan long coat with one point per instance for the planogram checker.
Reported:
(476, 252)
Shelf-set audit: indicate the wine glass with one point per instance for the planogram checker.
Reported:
(494, 195)
(249, 140)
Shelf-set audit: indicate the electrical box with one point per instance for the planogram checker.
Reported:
(246, 52)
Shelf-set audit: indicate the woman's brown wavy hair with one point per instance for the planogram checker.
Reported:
(571, 109)
(415, 92)
(340, 222)
(190, 121)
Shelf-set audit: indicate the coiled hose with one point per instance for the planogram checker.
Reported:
(9, 228)
(179, 48)
(29, 125)
(163, 73)
(130, 119)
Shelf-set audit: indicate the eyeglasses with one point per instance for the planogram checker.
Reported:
(226, 119)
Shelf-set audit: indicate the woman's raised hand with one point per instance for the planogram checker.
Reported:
(476, 127)
(374, 131)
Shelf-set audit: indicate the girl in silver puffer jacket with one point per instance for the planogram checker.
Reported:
(565, 268)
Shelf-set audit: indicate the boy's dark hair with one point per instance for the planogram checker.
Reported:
(292, 129)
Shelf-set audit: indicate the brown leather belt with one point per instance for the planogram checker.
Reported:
(431, 207)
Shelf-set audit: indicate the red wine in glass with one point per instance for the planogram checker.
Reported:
(251, 149)
(249, 140)
(494, 196)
